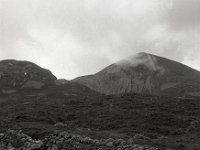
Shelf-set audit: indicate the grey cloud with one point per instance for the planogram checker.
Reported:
(77, 37)
(183, 14)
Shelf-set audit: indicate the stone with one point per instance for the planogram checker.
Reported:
(109, 144)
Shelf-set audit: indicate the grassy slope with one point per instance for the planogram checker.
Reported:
(166, 120)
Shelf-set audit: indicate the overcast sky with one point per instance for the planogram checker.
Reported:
(79, 37)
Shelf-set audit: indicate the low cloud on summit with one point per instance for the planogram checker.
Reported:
(79, 37)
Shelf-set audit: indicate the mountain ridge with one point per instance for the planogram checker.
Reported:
(143, 73)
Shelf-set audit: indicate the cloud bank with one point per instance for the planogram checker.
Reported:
(79, 37)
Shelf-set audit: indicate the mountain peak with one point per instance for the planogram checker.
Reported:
(142, 58)
(143, 54)
(134, 58)
(144, 73)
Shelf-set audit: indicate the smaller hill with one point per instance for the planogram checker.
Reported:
(16, 75)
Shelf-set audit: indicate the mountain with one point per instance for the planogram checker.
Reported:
(27, 78)
(145, 73)
(16, 75)
(55, 106)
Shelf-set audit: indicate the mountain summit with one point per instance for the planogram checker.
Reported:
(145, 73)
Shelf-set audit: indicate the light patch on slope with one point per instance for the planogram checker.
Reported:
(8, 91)
(193, 93)
(33, 84)
(168, 85)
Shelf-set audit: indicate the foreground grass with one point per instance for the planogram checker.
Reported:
(165, 122)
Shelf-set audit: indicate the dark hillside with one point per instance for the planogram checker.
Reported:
(16, 75)
(176, 120)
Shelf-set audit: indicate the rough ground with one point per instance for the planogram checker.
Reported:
(161, 122)
(17, 140)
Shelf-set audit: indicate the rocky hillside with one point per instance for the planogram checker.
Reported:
(145, 73)
(16, 75)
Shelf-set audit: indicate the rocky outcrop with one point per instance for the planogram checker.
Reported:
(13, 140)
(17, 140)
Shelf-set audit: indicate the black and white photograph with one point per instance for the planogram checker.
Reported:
(99, 74)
